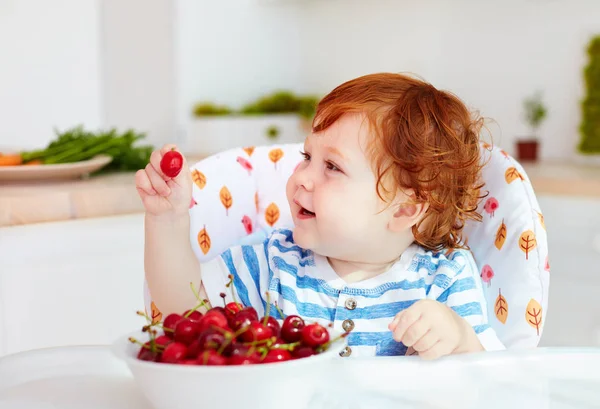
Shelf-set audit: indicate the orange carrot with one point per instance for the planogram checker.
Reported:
(10, 160)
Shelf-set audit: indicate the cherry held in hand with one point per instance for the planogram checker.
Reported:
(171, 163)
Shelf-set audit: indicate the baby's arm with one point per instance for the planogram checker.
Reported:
(453, 319)
(170, 263)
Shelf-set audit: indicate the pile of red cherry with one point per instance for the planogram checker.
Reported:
(231, 335)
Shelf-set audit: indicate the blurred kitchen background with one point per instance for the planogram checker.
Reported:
(191, 71)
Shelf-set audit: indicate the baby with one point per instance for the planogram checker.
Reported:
(389, 177)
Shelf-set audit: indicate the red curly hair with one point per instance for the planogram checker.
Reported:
(426, 140)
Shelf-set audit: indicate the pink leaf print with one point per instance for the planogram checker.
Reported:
(490, 206)
(193, 203)
(487, 274)
(245, 164)
(547, 265)
(247, 222)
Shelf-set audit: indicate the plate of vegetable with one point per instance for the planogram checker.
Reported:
(75, 153)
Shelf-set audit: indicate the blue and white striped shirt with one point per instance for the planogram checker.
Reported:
(304, 283)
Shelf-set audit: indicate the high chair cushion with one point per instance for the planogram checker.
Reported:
(239, 198)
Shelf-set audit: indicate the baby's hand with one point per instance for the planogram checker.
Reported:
(431, 328)
(163, 195)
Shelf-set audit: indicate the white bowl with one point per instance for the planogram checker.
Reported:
(289, 384)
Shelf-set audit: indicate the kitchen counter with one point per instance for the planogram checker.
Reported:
(115, 194)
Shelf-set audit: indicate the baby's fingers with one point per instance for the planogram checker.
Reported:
(158, 183)
(414, 333)
(403, 321)
(143, 184)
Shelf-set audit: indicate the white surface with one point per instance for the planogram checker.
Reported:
(211, 135)
(74, 378)
(54, 171)
(50, 70)
(91, 378)
(69, 283)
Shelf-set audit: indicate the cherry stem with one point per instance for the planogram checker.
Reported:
(230, 286)
(279, 311)
(266, 317)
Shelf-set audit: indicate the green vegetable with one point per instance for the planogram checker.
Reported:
(77, 144)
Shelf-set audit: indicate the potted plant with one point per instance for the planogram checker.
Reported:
(589, 128)
(280, 117)
(535, 113)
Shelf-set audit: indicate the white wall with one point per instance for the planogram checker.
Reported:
(49, 69)
(138, 66)
(233, 51)
(491, 53)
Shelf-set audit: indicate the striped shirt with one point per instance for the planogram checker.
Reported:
(304, 283)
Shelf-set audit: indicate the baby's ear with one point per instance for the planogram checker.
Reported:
(407, 213)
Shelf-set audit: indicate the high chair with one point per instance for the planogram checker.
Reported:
(239, 197)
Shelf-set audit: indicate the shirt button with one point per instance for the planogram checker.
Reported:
(348, 325)
(350, 303)
(346, 352)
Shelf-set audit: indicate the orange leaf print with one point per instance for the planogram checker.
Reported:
(512, 174)
(226, 199)
(272, 214)
(501, 308)
(527, 242)
(256, 201)
(204, 240)
(503, 152)
(156, 314)
(533, 315)
(500, 236)
(199, 178)
(275, 155)
(249, 150)
(541, 217)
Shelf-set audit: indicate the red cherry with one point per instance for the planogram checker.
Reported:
(314, 335)
(234, 307)
(146, 354)
(213, 338)
(243, 360)
(252, 312)
(277, 355)
(255, 332)
(212, 319)
(194, 349)
(171, 163)
(188, 362)
(186, 331)
(291, 330)
(169, 324)
(194, 315)
(211, 357)
(303, 352)
(162, 340)
(174, 353)
(274, 325)
(243, 319)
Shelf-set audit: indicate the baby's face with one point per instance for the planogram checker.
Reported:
(332, 195)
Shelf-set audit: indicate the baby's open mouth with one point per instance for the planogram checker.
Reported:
(306, 213)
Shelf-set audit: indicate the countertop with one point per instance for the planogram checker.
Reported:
(115, 194)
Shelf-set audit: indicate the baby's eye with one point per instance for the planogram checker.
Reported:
(332, 166)
(305, 155)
